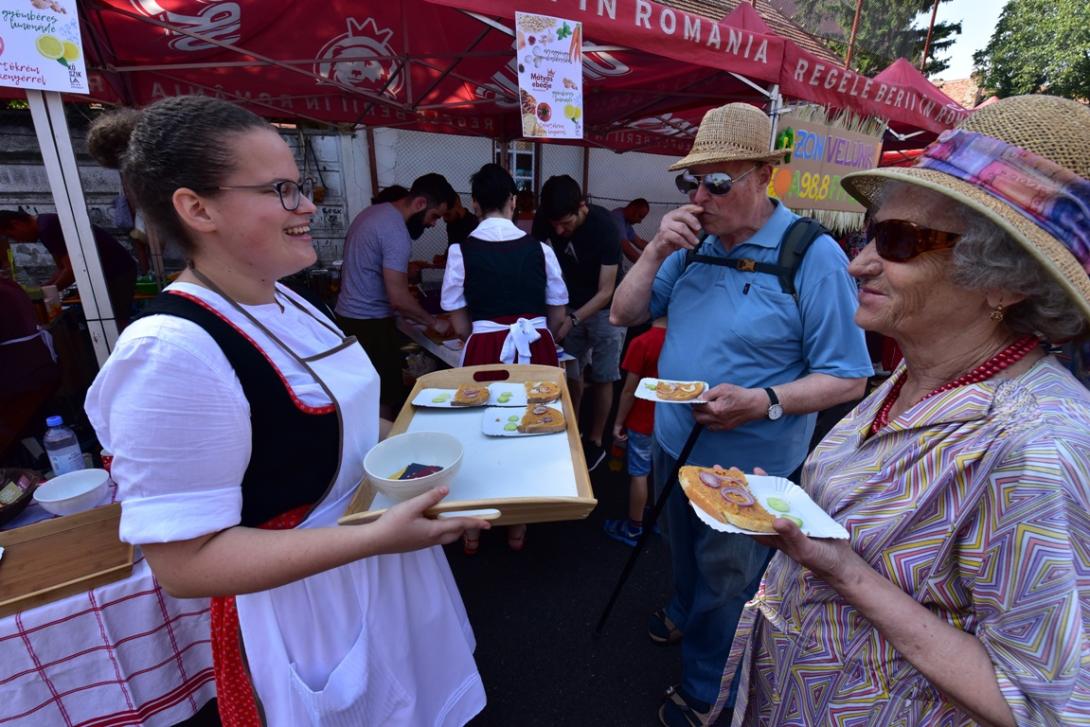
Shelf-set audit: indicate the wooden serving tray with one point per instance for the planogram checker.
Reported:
(491, 472)
(50, 560)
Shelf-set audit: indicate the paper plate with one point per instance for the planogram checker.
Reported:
(495, 419)
(427, 397)
(646, 390)
(815, 522)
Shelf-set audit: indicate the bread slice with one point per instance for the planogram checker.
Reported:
(681, 391)
(470, 395)
(542, 392)
(541, 419)
(725, 495)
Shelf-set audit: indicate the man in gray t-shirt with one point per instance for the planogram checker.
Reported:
(375, 278)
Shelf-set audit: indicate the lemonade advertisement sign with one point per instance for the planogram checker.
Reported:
(550, 66)
(40, 46)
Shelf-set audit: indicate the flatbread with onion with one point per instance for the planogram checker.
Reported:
(725, 495)
(679, 391)
(542, 392)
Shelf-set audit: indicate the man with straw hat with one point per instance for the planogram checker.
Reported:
(961, 594)
(773, 360)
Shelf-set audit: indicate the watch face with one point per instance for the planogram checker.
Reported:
(775, 412)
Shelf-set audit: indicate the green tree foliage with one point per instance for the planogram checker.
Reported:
(885, 32)
(1039, 46)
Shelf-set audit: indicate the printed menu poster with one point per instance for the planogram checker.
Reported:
(549, 52)
(40, 46)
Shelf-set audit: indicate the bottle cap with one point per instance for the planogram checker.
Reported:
(54, 421)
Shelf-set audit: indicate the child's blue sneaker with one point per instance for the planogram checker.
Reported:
(623, 531)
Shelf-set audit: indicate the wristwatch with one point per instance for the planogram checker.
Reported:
(574, 319)
(775, 411)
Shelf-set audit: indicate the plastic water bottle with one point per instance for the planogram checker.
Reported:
(62, 447)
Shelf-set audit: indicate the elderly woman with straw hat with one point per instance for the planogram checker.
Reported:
(963, 593)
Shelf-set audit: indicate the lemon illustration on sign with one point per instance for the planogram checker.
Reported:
(71, 51)
(573, 112)
(51, 47)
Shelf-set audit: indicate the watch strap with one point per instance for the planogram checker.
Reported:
(772, 398)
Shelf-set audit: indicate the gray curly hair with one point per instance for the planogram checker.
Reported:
(987, 258)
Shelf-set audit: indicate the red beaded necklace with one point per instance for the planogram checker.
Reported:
(1004, 359)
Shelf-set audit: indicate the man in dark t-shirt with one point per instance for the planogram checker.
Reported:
(118, 266)
(587, 244)
(460, 222)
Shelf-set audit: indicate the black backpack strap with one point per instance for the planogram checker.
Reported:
(798, 238)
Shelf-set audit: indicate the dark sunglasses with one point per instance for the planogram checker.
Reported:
(899, 241)
(717, 183)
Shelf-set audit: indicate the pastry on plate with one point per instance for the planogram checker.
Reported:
(542, 392)
(541, 419)
(470, 395)
(678, 391)
(725, 495)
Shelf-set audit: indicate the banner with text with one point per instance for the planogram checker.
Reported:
(550, 65)
(40, 46)
(820, 155)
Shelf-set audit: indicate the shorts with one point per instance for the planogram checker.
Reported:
(596, 342)
(382, 341)
(639, 454)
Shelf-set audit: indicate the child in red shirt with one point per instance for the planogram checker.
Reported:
(635, 423)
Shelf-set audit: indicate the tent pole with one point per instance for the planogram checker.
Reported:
(372, 160)
(586, 171)
(930, 30)
(51, 127)
(775, 108)
(855, 28)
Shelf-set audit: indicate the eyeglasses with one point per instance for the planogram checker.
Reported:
(899, 240)
(717, 183)
(291, 193)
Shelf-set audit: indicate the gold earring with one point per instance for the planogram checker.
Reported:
(997, 313)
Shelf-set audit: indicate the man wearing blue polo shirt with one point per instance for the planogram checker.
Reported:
(772, 359)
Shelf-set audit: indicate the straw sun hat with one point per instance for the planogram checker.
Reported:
(1048, 127)
(731, 133)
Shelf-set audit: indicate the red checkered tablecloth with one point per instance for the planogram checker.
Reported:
(125, 653)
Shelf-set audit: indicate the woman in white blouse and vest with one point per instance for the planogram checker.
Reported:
(505, 293)
(503, 288)
(239, 416)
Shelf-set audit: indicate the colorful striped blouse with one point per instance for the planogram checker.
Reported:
(977, 503)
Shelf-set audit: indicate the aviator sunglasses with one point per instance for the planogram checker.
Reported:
(717, 183)
(899, 240)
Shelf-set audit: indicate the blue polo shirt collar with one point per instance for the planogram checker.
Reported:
(771, 231)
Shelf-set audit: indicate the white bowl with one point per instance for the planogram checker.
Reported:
(394, 454)
(74, 492)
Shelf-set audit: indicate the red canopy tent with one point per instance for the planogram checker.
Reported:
(448, 65)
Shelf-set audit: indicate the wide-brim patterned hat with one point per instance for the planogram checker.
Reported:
(1019, 163)
(732, 133)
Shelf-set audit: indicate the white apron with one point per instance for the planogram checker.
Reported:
(381, 641)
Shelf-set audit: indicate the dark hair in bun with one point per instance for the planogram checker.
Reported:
(108, 137)
(183, 141)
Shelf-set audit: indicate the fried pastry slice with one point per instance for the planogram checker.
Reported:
(470, 395)
(541, 419)
(542, 392)
(683, 391)
(725, 495)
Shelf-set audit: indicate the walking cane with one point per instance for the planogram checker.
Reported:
(649, 525)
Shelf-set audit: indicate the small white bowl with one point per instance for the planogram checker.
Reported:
(74, 492)
(394, 454)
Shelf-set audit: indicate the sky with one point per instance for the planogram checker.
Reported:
(978, 19)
